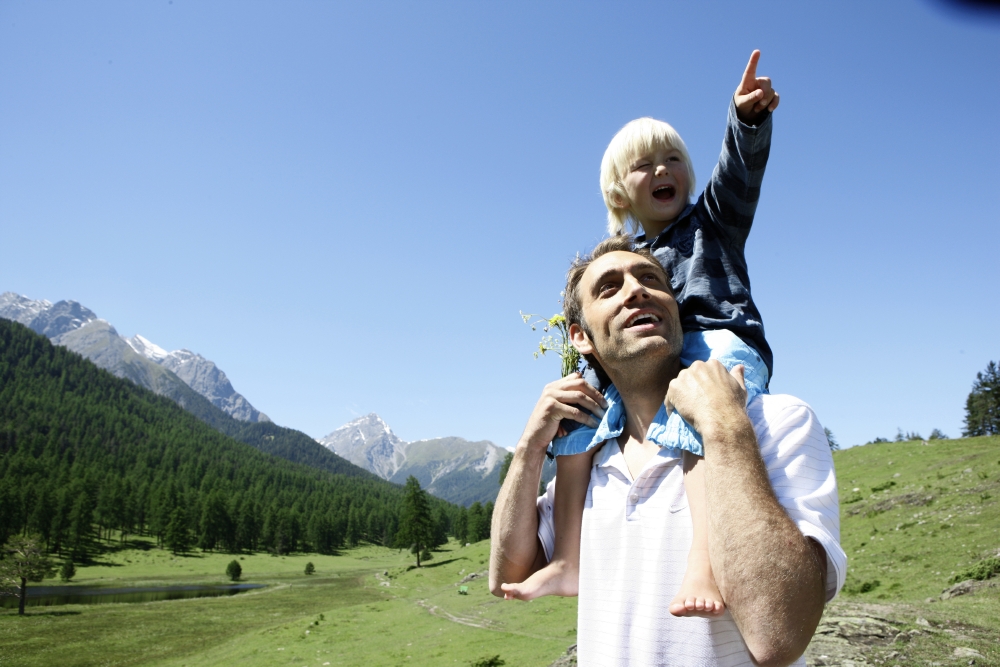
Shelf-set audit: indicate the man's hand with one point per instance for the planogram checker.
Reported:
(559, 401)
(708, 396)
(754, 95)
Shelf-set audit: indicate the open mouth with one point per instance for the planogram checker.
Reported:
(641, 319)
(664, 193)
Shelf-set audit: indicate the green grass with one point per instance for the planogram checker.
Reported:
(914, 515)
(342, 615)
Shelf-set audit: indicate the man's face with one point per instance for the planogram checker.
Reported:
(629, 310)
(657, 186)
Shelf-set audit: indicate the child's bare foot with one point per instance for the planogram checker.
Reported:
(556, 578)
(699, 596)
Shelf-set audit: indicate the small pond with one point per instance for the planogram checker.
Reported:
(46, 596)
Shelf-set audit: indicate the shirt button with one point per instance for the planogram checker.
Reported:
(634, 498)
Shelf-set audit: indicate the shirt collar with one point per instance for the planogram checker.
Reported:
(613, 425)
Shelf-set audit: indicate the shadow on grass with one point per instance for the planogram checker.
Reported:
(443, 562)
(29, 612)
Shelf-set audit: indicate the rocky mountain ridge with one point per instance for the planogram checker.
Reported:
(454, 469)
(172, 374)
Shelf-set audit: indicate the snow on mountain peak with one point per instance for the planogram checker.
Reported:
(147, 348)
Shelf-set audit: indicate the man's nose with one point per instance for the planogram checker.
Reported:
(634, 290)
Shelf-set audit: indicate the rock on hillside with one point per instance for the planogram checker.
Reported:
(454, 469)
(171, 374)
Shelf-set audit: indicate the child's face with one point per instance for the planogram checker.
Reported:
(657, 187)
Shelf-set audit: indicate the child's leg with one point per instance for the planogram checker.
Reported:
(562, 575)
(699, 596)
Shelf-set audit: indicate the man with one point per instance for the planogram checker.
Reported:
(770, 489)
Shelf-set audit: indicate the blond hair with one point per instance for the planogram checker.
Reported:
(639, 137)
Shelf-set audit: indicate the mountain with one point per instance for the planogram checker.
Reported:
(78, 329)
(171, 374)
(368, 442)
(203, 376)
(83, 452)
(454, 469)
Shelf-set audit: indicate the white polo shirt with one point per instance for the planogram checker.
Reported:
(637, 534)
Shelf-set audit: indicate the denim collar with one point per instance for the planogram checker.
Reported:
(613, 423)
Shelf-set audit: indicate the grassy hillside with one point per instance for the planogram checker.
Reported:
(915, 515)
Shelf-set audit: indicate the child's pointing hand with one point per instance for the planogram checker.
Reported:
(754, 95)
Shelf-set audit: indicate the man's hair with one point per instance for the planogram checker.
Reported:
(572, 305)
(639, 137)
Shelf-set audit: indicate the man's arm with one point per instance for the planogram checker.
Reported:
(771, 576)
(515, 550)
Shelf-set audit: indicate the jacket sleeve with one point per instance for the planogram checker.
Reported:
(733, 190)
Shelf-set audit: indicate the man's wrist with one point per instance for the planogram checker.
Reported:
(529, 455)
(729, 430)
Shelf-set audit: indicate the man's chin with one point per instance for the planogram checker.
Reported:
(642, 351)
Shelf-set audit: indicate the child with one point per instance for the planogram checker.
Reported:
(647, 180)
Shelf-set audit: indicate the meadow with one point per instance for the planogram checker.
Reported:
(914, 517)
(365, 607)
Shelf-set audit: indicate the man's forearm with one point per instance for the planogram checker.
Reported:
(770, 575)
(514, 546)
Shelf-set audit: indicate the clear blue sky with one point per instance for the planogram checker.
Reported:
(346, 205)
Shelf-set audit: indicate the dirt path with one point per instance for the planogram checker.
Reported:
(434, 610)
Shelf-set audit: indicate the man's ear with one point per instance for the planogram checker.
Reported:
(579, 338)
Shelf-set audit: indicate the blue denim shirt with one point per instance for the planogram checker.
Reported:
(704, 249)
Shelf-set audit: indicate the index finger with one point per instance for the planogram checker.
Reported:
(750, 74)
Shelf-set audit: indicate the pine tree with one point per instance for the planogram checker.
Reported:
(215, 523)
(415, 522)
(234, 570)
(505, 466)
(460, 526)
(834, 445)
(67, 571)
(478, 528)
(982, 407)
(178, 538)
(489, 519)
